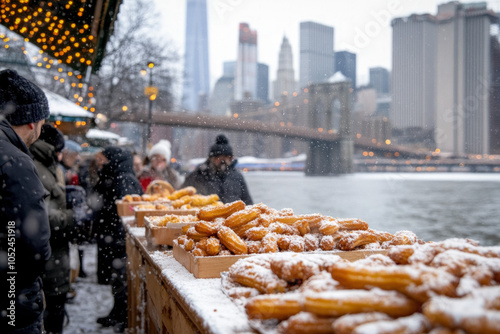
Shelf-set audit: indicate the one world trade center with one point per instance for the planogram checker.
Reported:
(196, 83)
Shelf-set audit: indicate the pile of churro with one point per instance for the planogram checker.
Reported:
(234, 229)
(162, 221)
(186, 198)
(443, 287)
(144, 198)
(157, 206)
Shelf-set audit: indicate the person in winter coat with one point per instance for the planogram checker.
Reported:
(25, 231)
(116, 180)
(159, 168)
(70, 161)
(56, 275)
(218, 175)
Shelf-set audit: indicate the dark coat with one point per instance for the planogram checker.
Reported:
(22, 201)
(57, 270)
(117, 179)
(229, 185)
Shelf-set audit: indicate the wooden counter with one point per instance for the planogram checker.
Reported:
(163, 297)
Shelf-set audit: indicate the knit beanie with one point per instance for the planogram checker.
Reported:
(162, 148)
(221, 147)
(52, 136)
(21, 101)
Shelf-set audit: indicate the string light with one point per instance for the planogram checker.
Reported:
(60, 29)
(48, 25)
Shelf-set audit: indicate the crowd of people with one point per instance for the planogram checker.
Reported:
(52, 196)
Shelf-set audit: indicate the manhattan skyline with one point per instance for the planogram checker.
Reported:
(361, 27)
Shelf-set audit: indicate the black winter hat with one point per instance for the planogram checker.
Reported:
(21, 101)
(52, 136)
(221, 147)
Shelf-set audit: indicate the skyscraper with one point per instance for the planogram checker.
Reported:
(345, 63)
(316, 53)
(285, 77)
(223, 92)
(262, 82)
(379, 80)
(413, 72)
(196, 81)
(246, 65)
(441, 76)
(463, 110)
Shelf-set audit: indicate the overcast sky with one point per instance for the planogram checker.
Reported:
(360, 26)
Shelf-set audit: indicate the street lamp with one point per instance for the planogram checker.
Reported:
(151, 92)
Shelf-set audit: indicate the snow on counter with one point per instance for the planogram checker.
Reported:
(204, 297)
(139, 232)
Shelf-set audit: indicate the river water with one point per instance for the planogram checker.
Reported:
(435, 206)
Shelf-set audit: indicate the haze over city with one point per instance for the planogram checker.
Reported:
(362, 27)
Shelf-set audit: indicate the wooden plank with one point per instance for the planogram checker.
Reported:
(204, 266)
(169, 317)
(212, 266)
(163, 235)
(182, 256)
(179, 315)
(126, 208)
(154, 288)
(135, 288)
(175, 319)
(153, 317)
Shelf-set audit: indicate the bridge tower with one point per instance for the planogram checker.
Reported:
(330, 111)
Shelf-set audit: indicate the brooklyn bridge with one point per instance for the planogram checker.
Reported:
(325, 154)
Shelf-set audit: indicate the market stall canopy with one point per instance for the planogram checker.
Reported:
(101, 134)
(102, 138)
(64, 109)
(68, 117)
(73, 31)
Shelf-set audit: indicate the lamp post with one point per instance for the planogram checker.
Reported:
(151, 92)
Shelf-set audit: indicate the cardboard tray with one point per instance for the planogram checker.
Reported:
(126, 208)
(140, 214)
(213, 266)
(163, 235)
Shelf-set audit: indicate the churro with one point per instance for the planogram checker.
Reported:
(306, 323)
(224, 211)
(232, 241)
(187, 191)
(256, 273)
(273, 306)
(418, 282)
(341, 302)
(347, 323)
(242, 217)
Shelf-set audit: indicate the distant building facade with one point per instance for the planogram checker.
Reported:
(463, 109)
(196, 81)
(262, 83)
(246, 65)
(379, 80)
(345, 63)
(369, 118)
(495, 96)
(223, 92)
(441, 77)
(316, 53)
(413, 72)
(285, 77)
